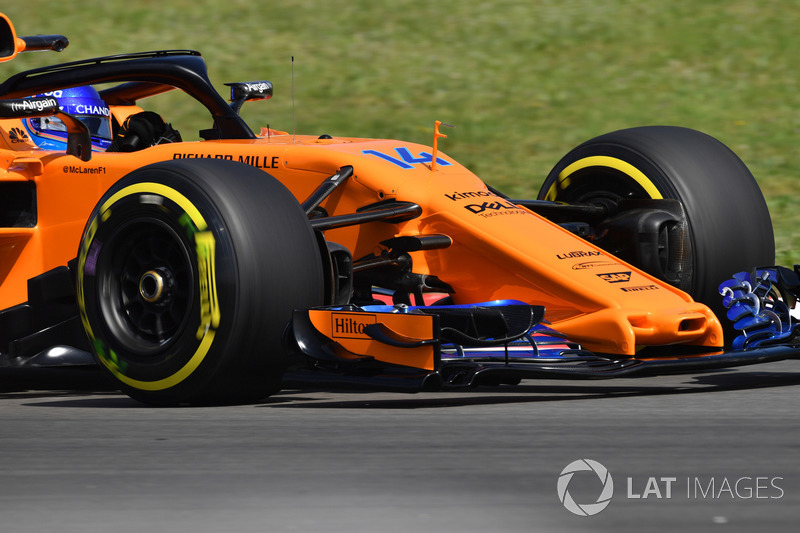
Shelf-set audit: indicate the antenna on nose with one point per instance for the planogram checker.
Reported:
(436, 136)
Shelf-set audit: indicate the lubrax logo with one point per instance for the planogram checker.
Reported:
(615, 277)
(578, 254)
(350, 325)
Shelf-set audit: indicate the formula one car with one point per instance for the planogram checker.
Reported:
(203, 271)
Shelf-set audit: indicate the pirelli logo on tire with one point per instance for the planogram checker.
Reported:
(209, 304)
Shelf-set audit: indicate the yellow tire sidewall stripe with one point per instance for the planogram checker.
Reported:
(564, 177)
(207, 338)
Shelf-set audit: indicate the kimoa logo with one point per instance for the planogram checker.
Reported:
(466, 195)
(585, 509)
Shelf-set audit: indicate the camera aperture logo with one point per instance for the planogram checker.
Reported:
(585, 509)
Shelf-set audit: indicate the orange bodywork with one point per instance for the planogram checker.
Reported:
(499, 250)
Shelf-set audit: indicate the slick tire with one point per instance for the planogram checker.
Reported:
(188, 272)
(729, 225)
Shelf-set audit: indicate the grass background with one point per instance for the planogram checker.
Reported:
(523, 81)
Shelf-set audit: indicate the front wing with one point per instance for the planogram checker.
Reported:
(431, 347)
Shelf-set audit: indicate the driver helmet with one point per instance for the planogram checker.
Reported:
(85, 104)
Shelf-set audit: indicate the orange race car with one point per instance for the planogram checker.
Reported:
(201, 271)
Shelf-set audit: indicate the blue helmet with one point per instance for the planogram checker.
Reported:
(83, 103)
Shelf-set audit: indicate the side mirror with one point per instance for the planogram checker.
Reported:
(243, 91)
(11, 45)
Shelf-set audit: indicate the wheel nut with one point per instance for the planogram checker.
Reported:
(151, 286)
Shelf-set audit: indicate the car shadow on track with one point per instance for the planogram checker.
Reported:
(67, 387)
(73, 379)
(87, 388)
(541, 391)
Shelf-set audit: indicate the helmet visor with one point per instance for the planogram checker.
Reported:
(98, 126)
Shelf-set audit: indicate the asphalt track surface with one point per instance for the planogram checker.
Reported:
(77, 456)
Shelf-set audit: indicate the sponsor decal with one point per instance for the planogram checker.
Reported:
(577, 254)
(615, 277)
(593, 264)
(405, 159)
(33, 104)
(351, 325)
(260, 161)
(490, 206)
(202, 156)
(82, 109)
(503, 213)
(258, 87)
(641, 288)
(74, 169)
(18, 135)
(492, 209)
(257, 161)
(466, 195)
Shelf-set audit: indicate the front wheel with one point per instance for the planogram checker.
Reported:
(188, 272)
(729, 227)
